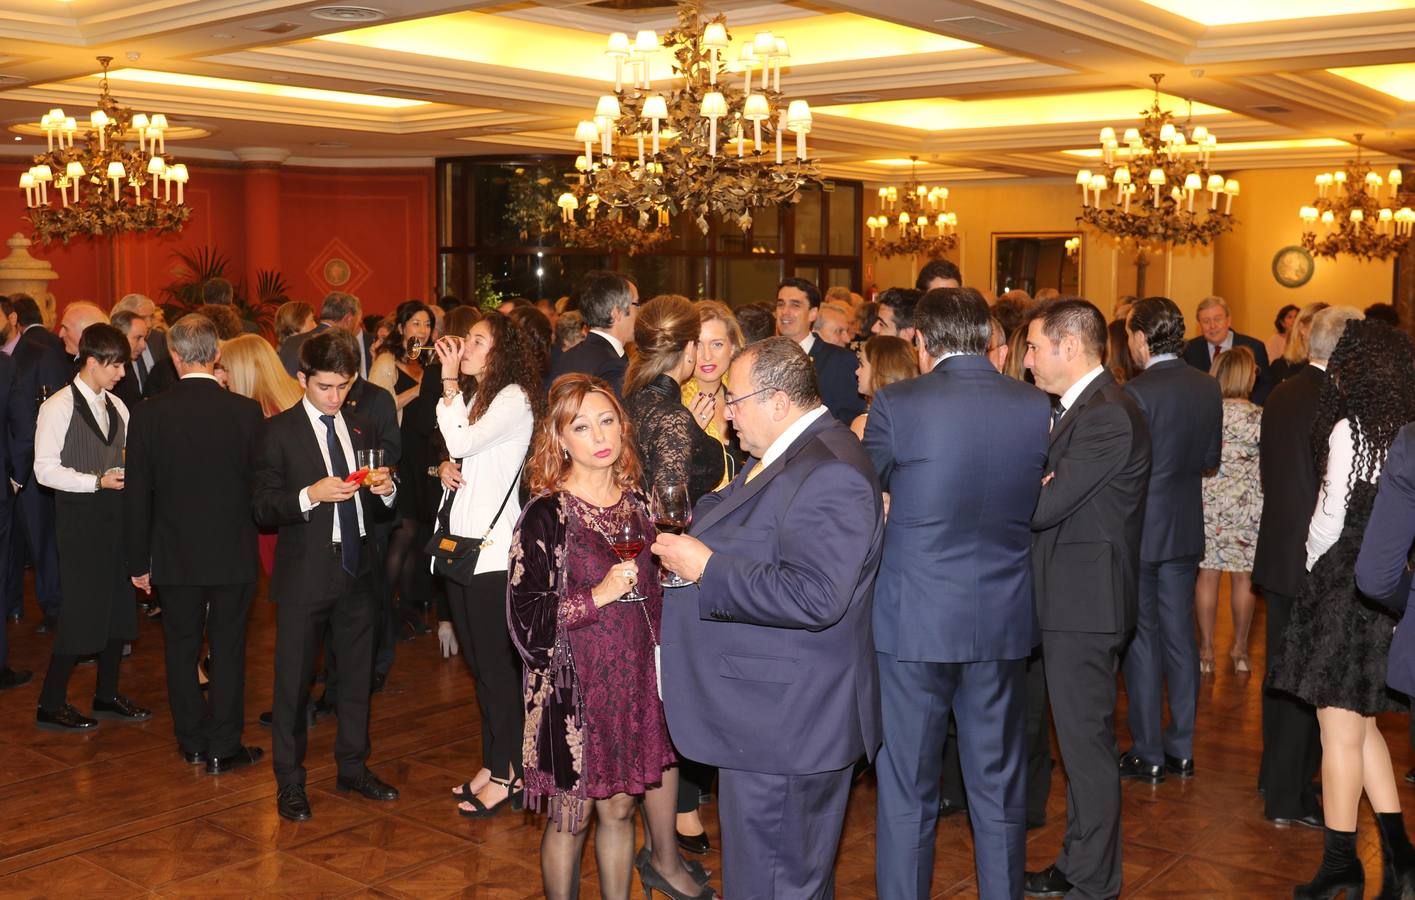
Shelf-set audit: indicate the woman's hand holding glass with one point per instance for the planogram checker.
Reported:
(449, 353)
(618, 581)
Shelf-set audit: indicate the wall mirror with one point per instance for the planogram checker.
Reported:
(1036, 260)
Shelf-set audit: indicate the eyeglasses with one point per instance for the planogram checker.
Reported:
(732, 403)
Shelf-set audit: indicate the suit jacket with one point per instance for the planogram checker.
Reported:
(768, 663)
(960, 451)
(288, 460)
(289, 350)
(1288, 471)
(1196, 354)
(159, 378)
(593, 356)
(37, 364)
(46, 337)
(13, 411)
(1086, 546)
(1382, 570)
(377, 406)
(835, 370)
(187, 499)
(1184, 411)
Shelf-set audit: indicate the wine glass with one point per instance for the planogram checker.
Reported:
(671, 514)
(628, 542)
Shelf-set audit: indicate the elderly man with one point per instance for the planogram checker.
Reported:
(1217, 335)
(768, 666)
(833, 325)
(339, 310)
(77, 316)
(609, 303)
(156, 349)
(139, 382)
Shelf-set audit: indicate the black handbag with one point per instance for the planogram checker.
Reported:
(455, 557)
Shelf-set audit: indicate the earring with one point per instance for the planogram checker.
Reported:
(565, 452)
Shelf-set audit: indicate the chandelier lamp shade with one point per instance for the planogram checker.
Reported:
(1358, 213)
(914, 221)
(1156, 187)
(118, 178)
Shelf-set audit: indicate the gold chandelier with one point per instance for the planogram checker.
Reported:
(1155, 181)
(1356, 220)
(99, 184)
(715, 144)
(918, 215)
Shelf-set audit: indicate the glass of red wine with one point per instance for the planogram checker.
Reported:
(628, 542)
(671, 515)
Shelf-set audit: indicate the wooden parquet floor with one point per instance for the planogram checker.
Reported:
(117, 814)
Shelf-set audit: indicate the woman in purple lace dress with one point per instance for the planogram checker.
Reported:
(595, 734)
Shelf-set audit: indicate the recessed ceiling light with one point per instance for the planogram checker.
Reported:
(348, 14)
(223, 35)
(19, 137)
(331, 145)
(855, 98)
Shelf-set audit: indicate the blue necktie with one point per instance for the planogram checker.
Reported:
(348, 514)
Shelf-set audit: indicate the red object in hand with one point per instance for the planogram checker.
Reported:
(357, 477)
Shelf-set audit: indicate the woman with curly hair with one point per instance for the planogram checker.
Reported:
(595, 736)
(491, 398)
(1333, 654)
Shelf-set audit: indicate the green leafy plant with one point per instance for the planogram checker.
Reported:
(489, 296)
(198, 267)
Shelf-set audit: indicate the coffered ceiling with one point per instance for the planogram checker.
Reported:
(978, 89)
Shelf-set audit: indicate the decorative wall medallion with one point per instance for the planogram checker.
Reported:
(338, 267)
(1293, 266)
(336, 272)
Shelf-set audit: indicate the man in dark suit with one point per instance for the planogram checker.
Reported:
(953, 615)
(797, 305)
(140, 382)
(896, 313)
(41, 368)
(1085, 561)
(1292, 751)
(339, 310)
(324, 570)
(1183, 408)
(609, 303)
(13, 406)
(1217, 335)
(187, 511)
(768, 666)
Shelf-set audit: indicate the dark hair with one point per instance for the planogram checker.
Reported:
(217, 291)
(869, 315)
(123, 320)
(372, 321)
(779, 364)
(1011, 313)
(756, 321)
(460, 320)
(225, 318)
(104, 343)
(510, 361)
(953, 320)
(536, 326)
(903, 301)
(601, 293)
(813, 293)
(1117, 357)
(517, 302)
(6, 307)
(333, 350)
(937, 268)
(26, 310)
(1074, 316)
(1368, 379)
(1161, 321)
(1282, 314)
(449, 302)
(1383, 312)
(405, 311)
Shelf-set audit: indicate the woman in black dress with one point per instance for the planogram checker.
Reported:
(1333, 654)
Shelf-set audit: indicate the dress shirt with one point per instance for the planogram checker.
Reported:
(934, 365)
(1161, 357)
(52, 428)
(1329, 517)
(9, 346)
(1226, 345)
(213, 378)
(1068, 398)
(614, 342)
(808, 342)
(321, 433)
(792, 432)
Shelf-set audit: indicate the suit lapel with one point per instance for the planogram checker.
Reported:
(1091, 390)
(743, 490)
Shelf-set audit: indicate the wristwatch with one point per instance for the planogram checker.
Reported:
(98, 481)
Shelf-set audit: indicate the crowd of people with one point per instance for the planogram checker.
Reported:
(688, 550)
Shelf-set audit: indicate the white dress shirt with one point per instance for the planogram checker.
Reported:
(1069, 398)
(614, 342)
(341, 429)
(1161, 357)
(1227, 344)
(792, 432)
(808, 342)
(52, 428)
(1329, 517)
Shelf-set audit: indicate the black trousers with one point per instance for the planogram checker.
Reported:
(1292, 742)
(55, 692)
(349, 605)
(32, 536)
(384, 635)
(220, 612)
(694, 780)
(479, 617)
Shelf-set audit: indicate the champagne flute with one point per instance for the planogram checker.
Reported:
(628, 542)
(671, 514)
(417, 349)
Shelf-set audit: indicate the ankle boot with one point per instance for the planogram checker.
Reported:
(1340, 871)
(1397, 858)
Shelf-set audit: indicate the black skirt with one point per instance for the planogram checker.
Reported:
(99, 604)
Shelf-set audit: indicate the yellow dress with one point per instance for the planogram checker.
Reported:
(690, 393)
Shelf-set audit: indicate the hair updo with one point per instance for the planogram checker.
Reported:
(664, 328)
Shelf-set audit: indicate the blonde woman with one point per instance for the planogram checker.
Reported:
(253, 370)
(705, 392)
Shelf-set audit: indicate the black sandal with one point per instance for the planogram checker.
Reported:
(480, 810)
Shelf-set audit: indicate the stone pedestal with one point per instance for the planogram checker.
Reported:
(21, 273)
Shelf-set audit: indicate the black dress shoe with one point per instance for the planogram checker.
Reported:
(192, 758)
(47, 625)
(947, 807)
(120, 707)
(1184, 768)
(379, 680)
(693, 843)
(367, 784)
(1308, 820)
(1132, 766)
(244, 756)
(1410, 777)
(65, 718)
(292, 803)
(1049, 882)
(321, 707)
(13, 678)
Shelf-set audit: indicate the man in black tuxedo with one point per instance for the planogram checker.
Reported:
(1292, 750)
(140, 382)
(797, 305)
(339, 310)
(1085, 562)
(1217, 335)
(609, 303)
(12, 406)
(1183, 408)
(324, 567)
(187, 512)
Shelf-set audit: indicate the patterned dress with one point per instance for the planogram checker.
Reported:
(1233, 496)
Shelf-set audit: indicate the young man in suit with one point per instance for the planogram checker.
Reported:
(768, 667)
(953, 616)
(896, 313)
(1085, 562)
(324, 564)
(1184, 410)
(1292, 751)
(609, 303)
(187, 511)
(797, 305)
(1217, 335)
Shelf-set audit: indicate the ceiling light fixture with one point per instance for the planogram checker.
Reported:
(919, 217)
(1356, 219)
(348, 14)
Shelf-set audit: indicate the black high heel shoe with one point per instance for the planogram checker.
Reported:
(480, 810)
(1340, 872)
(652, 881)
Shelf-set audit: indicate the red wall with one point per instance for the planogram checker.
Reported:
(378, 222)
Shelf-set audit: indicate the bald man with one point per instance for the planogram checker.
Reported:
(77, 316)
(833, 325)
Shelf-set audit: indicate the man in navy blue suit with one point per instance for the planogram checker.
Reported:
(797, 305)
(768, 664)
(609, 302)
(1217, 335)
(961, 451)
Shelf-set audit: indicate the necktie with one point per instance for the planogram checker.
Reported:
(348, 514)
(756, 470)
(140, 368)
(1215, 350)
(1057, 411)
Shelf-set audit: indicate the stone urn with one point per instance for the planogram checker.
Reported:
(21, 273)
